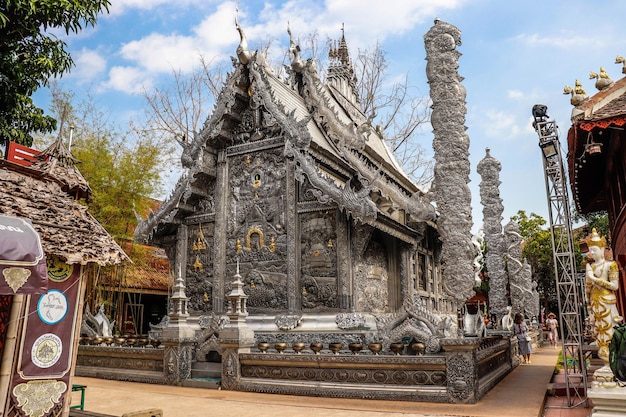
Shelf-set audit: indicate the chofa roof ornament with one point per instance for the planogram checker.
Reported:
(243, 54)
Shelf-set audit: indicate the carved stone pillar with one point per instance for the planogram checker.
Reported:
(294, 302)
(515, 267)
(220, 237)
(177, 359)
(178, 337)
(461, 369)
(236, 336)
(345, 285)
(452, 166)
(489, 169)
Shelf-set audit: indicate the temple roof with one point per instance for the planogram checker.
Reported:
(594, 121)
(604, 105)
(65, 227)
(322, 128)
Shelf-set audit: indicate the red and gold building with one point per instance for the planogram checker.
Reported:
(597, 161)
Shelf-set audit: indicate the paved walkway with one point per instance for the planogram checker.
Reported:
(520, 394)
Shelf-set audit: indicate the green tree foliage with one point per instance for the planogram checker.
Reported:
(123, 168)
(30, 56)
(598, 220)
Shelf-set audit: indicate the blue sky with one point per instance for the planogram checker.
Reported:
(515, 54)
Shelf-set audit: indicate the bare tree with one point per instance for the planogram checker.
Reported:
(178, 112)
(398, 109)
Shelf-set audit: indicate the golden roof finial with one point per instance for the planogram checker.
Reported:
(602, 79)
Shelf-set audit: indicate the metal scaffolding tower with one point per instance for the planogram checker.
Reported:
(570, 296)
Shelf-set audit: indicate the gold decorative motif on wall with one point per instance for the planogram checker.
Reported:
(197, 265)
(238, 246)
(272, 244)
(199, 244)
(256, 181)
(252, 231)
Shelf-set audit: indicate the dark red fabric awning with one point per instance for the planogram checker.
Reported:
(22, 259)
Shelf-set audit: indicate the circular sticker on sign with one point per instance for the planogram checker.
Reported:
(52, 307)
(58, 271)
(46, 350)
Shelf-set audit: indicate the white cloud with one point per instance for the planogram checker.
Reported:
(499, 124)
(120, 6)
(128, 80)
(161, 53)
(215, 36)
(217, 31)
(516, 94)
(89, 64)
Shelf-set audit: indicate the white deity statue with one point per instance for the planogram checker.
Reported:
(103, 323)
(507, 319)
(601, 282)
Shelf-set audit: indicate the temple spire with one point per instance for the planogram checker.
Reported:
(57, 161)
(340, 71)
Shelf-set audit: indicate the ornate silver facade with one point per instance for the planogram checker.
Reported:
(292, 191)
(290, 181)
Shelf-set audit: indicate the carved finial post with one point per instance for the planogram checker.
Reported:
(236, 336)
(178, 336)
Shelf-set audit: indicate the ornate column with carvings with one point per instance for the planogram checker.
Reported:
(221, 230)
(236, 336)
(452, 166)
(461, 369)
(345, 278)
(178, 337)
(489, 169)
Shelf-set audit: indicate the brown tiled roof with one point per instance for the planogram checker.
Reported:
(66, 228)
(57, 161)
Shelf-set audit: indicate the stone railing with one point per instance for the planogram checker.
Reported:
(122, 363)
(465, 370)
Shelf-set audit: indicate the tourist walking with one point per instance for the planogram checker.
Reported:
(552, 325)
(520, 329)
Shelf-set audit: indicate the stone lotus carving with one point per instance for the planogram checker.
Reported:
(288, 322)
